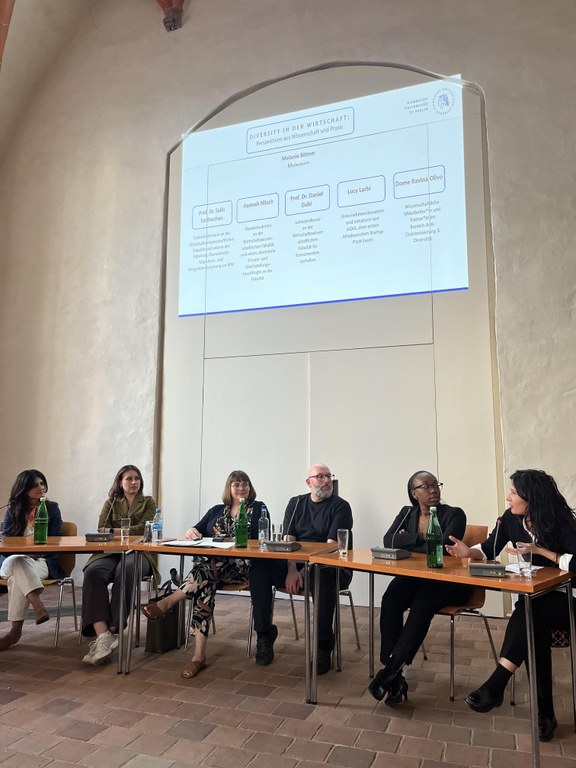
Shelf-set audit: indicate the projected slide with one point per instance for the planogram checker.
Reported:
(354, 200)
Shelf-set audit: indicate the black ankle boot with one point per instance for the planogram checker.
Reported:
(384, 680)
(398, 691)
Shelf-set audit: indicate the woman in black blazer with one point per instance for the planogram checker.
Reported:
(210, 573)
(540, 515)
(24, 573)
(399, 640)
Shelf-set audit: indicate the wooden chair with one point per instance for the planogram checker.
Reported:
(474, 534)
(67, 562)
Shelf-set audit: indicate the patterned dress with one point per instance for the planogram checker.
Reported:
(209, 574)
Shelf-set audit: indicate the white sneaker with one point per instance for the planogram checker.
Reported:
(101, 649)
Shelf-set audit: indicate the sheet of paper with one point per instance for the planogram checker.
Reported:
(515, 568)
(205, 542)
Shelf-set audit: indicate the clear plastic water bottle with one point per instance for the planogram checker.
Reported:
(263, 527)
(157, 527)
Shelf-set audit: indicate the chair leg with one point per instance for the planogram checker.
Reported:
(74, 605)
(424, 654)
(347, 593)
(451, 658)
(58, 614)
(189, 624)
(294, 622)
(250, 631)
(492, 646)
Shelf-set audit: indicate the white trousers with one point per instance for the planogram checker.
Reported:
(23, 575)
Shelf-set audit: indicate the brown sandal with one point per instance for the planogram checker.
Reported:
(153, 612)
(193, 668)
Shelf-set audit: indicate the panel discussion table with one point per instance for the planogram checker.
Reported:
(456, 570)
(252, 552)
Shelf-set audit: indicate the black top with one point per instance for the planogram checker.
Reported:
(511, 528)
(452, 521)
(318, 521)
(219, 522)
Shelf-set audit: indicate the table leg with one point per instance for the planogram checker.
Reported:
(371, 624)
(181, 606)
(134, 611)
(313, 650)
(532, 682)
(337, 628)
(138, 582)
(572, 646)
(307, 633)
(120, 663)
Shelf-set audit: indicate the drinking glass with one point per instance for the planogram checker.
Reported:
(524, 558)
(276, 532)
(124, 530)
(343, 536)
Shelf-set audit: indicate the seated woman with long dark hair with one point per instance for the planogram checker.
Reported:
(537, 513)
(100, 610)
(25, 573)
(210, 573)
(399, 640)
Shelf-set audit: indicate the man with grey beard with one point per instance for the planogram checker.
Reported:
(315, 516)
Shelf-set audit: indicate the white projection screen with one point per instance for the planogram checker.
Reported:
(322, 336)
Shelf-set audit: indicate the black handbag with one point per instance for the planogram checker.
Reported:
(162, 634)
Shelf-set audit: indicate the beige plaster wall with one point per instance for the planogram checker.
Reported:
(82, 202)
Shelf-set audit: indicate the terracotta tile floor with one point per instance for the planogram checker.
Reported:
(56, 711)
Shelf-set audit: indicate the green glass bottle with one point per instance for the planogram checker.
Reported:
(41, 523)
(242, 526)
(434, 542)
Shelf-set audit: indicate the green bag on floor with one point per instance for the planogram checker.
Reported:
(162, 634)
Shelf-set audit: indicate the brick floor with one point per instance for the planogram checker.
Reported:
(56, 711)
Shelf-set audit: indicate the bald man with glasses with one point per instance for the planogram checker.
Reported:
(315, 516)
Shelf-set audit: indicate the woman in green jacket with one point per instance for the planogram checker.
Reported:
(101, 611)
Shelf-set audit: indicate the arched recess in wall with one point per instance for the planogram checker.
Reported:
(375, 388)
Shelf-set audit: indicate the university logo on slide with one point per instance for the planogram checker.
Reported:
(443, 101)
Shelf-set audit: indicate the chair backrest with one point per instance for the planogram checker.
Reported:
(67, 560)
(475, 534)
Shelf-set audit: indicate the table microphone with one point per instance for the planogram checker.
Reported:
(107, 535)
(495, 568)
(498, 524)
(392, 553)
(110, 510)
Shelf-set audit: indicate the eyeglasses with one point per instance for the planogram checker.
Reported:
(427, 487)
(320, 477)
(236, 486)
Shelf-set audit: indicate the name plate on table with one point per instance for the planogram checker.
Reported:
(282, 546)
(496, 570)
(389, 553)
(100, 536)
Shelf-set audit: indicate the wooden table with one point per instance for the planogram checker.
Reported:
(24, 545)
(456, 570)
(251, 552)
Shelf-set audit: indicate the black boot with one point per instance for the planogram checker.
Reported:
(547, 722)
(385, 679)
(491, 694)
(398, 691)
